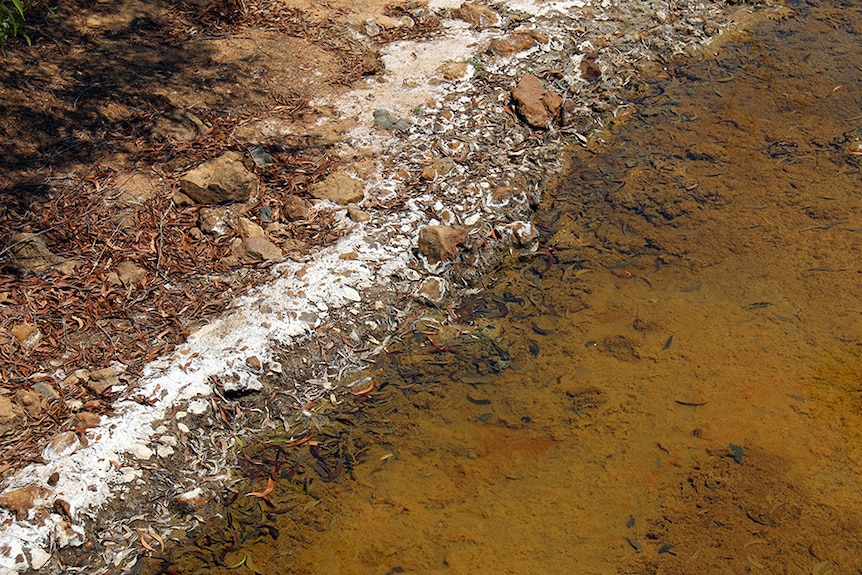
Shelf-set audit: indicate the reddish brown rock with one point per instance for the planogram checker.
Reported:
(538, 105)
(516, 42)
(21, 501)
(477, 15)
(432, 291)
(356, 214)
(61, 445)
(102, 380)
(27, 335)
(30, 401)
(29, 253)
(590, 70)
(439, 243)
(87, 419)
(294, 208)
(130, 273)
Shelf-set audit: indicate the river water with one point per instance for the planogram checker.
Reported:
(671, 384)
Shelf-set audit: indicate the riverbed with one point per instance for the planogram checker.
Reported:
(672, 382)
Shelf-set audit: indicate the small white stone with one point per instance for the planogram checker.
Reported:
(472, 220)
(129, 474)
(168, 440)
(351, 293)
(140, 451)
(38, 557)
(412, 274)
(164, 451)
(198, 406)
(183, 427)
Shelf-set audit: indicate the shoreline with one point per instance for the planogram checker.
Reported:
(324, 299)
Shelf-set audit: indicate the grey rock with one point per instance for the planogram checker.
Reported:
(265, 214)
(220, 181)
(180, 126)
(260, 156)
(384, 119)
(29, 253)
(46, 390)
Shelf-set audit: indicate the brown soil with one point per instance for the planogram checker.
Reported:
(83, 167)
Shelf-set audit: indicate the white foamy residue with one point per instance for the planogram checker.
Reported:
(270, 317)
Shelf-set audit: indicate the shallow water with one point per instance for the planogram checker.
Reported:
(673, 386)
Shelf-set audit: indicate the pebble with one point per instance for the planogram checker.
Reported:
(61, 445)
(432, 291)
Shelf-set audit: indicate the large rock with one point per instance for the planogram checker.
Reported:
(30, 253)
(536, 104)
(220, 181)
(438, 243)
(339, 187)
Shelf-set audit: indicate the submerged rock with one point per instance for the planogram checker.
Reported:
(432, 291)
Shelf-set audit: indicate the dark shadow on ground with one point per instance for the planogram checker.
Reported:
(83, 88)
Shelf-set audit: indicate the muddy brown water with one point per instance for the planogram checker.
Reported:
(675, 386)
